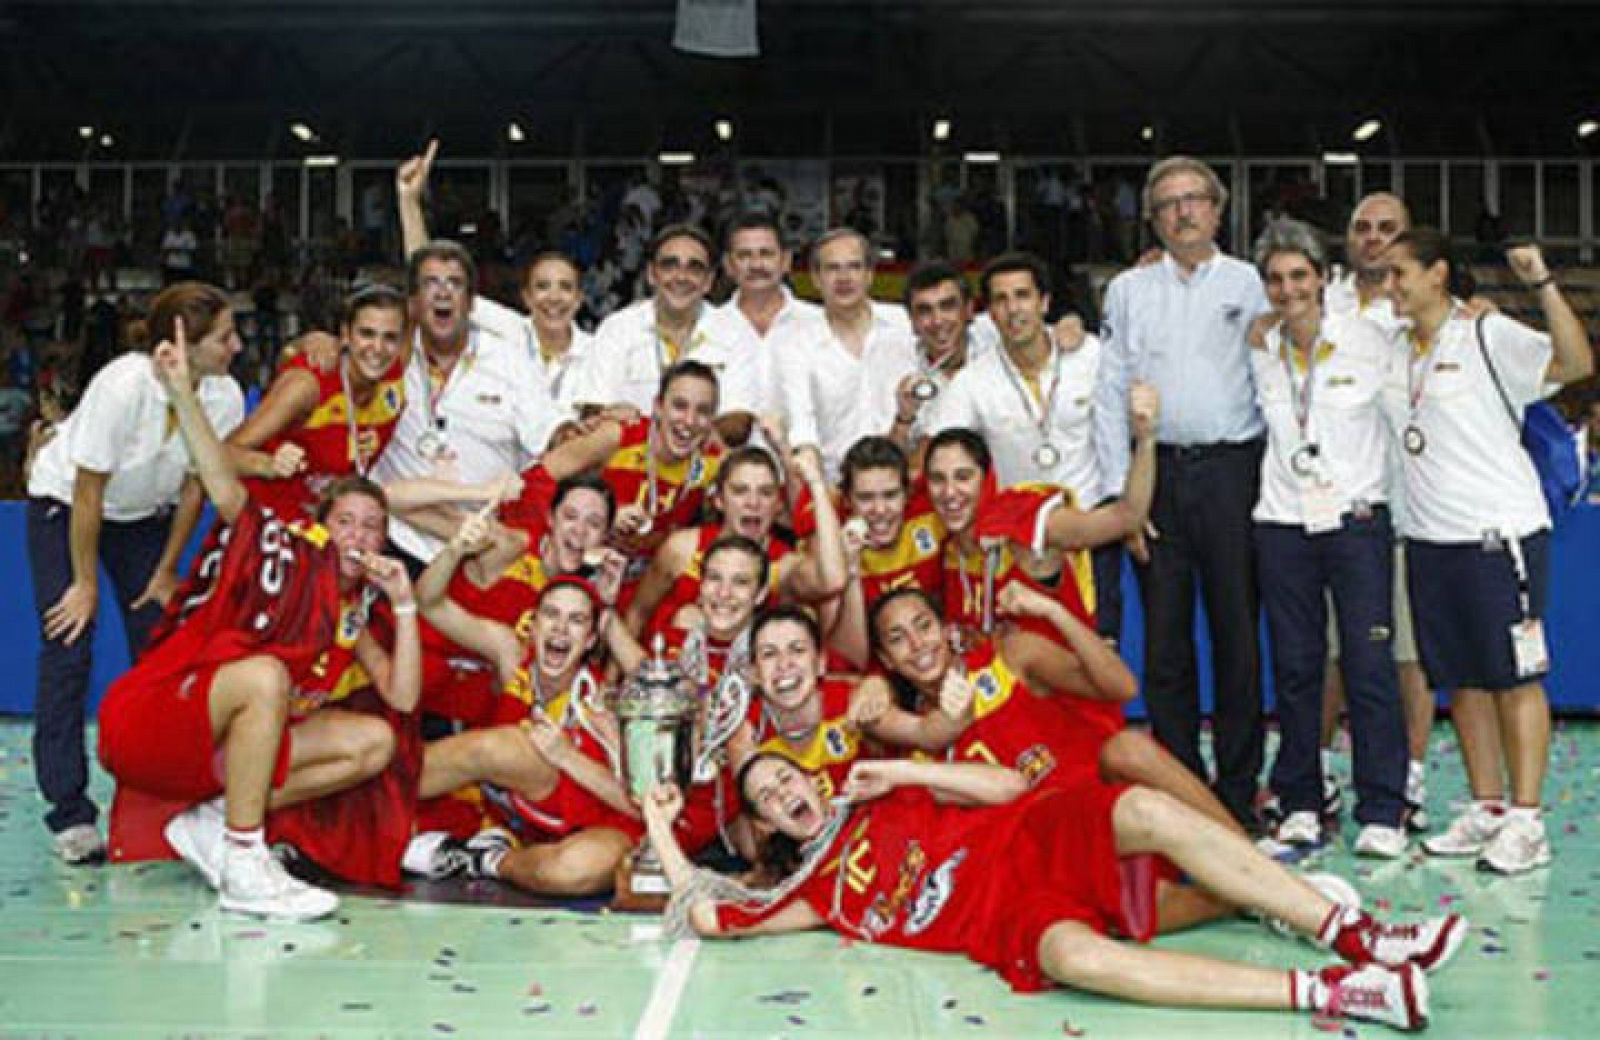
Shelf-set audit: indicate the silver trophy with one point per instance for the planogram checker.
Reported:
(672, 733)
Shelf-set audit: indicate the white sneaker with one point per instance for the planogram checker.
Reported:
(1296, 837)
(80, 845)
(1429, 943)
(196, 834)
(1381, 842)
(1467, 834)
(255, 883)
(1416, 798)
(1518, 847)
(1395, 997)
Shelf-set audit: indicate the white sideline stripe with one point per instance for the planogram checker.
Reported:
(662, 1008)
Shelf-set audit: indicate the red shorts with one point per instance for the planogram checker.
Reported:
(462, 689)
(1063, 866)
(156, 736)
(567, 809)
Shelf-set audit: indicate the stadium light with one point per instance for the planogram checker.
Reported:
(941, 129)
(1147, 133)
(106, 140)
(1368, 130)
(303, 132)
(1340, 158)
(1588, 128)
(321, 160)
(86, 132)
(675, 158)
(724, 128)
(981, 157)
(514, 132)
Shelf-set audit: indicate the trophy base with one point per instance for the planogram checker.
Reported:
(639, 891)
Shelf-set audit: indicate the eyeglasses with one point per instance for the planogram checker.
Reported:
(673, 264)
(453, 283)
(1387, 228)
(1188, 198)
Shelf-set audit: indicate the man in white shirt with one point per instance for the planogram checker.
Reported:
(634, 346)
(1181, 324)
(1374, 223)
(758, 263)
(838, 377)
(1032, 401)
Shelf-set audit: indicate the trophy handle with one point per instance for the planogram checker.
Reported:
(588, 700)
(727, 707)
(991, 564)
(692, 659)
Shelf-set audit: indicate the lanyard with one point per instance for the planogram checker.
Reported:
(1042, 419)
(436, 394)
(1430, 360)
(652, 495)
(562, 363)
(358, 458)
(1300, 396)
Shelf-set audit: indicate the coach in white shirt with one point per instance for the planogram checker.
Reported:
(758, 263)
(634, 346)
(101, 493)
(838, 377)
(1032, 401)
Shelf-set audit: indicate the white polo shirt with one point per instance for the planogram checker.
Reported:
(1342, 297)
(978, 346)
(988, 396)
(121, 427)
(556, 373)
(493, 414)
(1344, 415)
(830, 397)
(793, 310)
(625, 362)
(1472, 475)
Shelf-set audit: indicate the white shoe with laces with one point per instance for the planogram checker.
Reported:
(1518, 847)
(197, 834)
(79, 845)
(1467, 834)
(1381, 842)
(1395, 997)
(253, 882)
(1332, 887)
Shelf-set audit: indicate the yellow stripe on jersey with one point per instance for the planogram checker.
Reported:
(919, 539)
(992, 687)
(832, 743)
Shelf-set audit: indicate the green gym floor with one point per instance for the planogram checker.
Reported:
(140, 951)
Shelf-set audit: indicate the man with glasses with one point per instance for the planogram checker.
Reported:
(634, 346)
(476, 408)
(838, 377)
(1181, 324)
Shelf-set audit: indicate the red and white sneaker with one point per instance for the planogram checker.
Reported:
(1395, 997)
(1360, 939)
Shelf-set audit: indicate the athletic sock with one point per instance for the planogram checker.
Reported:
(254, 837)
(1307, 991)
(1529, 813)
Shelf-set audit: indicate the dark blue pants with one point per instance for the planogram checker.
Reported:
(1202, 506)
(1108, 591)
(1355, 564)
(128, 553)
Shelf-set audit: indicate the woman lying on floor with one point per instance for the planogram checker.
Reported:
(961, 858)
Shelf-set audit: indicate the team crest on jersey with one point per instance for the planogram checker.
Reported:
(986, 684)
(880, 917)
(1035, 764)
(697, 470)
(934, 894)
(923, 539)
(391, 397)
(833, 737)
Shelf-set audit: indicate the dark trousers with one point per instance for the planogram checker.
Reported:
(1204, 496)
(129, 553)
(1108, 591)
(1356, 564)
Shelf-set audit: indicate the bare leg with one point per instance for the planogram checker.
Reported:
(580, 864)
(1524, 716)
(249, 707)
(1477, 724)
(1179, 907)
(1220, 860)
(1416, 700)
(1072, 954)
(501, 755)
(1134, 757)
(333, 751)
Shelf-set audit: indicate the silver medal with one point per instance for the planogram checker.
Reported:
(1414, 440)
(1046, 456)
(925, 389)
(430, 446)
(1304, 459)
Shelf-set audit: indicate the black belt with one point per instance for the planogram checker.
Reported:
(1199, 452)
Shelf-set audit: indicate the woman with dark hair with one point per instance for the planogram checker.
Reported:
(1478, 541)
(958, 858)
(748, 495)
(1322, 526)
(103, 492)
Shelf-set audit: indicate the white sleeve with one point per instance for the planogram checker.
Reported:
(533, 411)
(590, 384)
(794, 389)
(101, 423)
(500, 320)
(1111, 389)
(955, 407)
(224, 405)
(1521, 356)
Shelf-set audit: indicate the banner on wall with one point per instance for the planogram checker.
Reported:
(717, 28)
